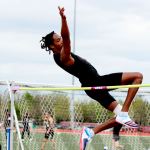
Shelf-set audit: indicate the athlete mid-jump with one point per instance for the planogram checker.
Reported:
(60, 45)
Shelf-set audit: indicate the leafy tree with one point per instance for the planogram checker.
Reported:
(62, 107)
(85, 110)
(141, 111)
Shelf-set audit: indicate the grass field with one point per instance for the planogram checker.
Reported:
(70, 141)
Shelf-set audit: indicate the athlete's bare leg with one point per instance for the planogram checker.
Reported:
(127, 78)
(123, 117)
(130, 78)
(44, 143)
(106, 125)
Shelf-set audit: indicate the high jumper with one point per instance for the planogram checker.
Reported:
(60, 45)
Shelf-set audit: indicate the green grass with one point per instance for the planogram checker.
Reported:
(70, 141)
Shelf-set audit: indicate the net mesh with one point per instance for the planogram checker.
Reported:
(68, 120)
(4, 115)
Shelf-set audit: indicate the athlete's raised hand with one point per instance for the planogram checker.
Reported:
(61, 11)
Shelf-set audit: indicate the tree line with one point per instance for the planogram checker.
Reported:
(58, 105)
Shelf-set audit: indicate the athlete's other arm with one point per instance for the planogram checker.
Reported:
(66, 50)
(51, 120)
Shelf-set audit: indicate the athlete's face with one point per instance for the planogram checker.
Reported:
(46, 116)
(58, 42)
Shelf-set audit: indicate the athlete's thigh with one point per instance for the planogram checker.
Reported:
(111, 79)
(129, 77)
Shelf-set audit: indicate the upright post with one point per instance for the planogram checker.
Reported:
(8, 138)
(12, 114)
(73, 80)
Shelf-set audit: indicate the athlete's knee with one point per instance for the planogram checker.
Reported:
(139, 77)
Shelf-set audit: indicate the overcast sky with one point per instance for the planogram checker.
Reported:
(113, 35)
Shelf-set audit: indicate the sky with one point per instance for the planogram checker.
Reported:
(113, 35)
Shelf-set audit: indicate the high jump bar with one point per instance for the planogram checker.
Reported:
(16, 88)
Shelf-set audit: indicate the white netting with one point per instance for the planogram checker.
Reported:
(4, 114)
(86, 112)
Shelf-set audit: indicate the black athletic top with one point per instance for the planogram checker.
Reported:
(26, 121)
(81, 68)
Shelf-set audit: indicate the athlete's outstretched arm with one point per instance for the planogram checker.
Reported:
(64, 29)
(65, 33)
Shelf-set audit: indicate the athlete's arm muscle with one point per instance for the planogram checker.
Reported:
(66, 51)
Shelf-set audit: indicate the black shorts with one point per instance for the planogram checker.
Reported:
(49, 134)
(103, 96)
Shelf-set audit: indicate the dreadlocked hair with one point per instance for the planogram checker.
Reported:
(46, 41)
